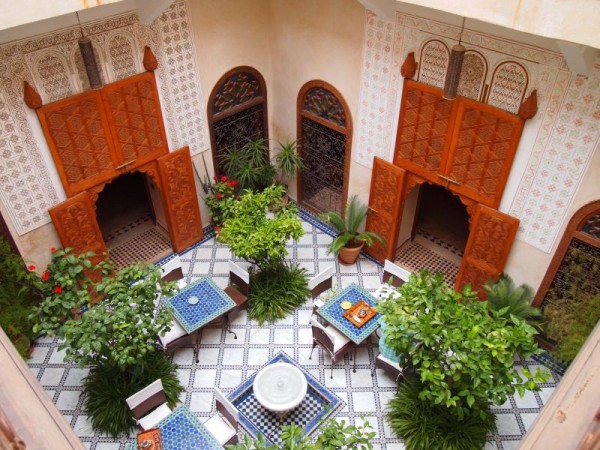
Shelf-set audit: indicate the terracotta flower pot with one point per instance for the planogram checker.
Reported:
(349, 255)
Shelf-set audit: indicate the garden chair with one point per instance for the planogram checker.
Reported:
(149, 405)
(239, 286)
(330, 340)
(224, 424)
(173, 271)
(390, 366)
(318, 284)
(174, 338)
(393, 277)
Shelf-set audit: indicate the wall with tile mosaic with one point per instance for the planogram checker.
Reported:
(53, 64)
(557, 145)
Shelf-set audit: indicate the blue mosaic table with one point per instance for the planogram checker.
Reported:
(318, 404)
(180, 430)
(334, 314)
(213, 302)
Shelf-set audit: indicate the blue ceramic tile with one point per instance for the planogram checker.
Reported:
(213, 302)
(334, 314)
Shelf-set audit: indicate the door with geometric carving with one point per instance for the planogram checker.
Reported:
(490, 240)
(76, 225)
(385, 201)
(180, 199)
(324, 136)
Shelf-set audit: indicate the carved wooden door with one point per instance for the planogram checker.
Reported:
(137, 127)
(385, 201)
(425, 121)
(76, 129)
(481, 151)
(76, 225)
(179, 198)
(491, 237)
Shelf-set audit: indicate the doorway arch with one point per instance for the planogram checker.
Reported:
(237, 112)
(324, 128)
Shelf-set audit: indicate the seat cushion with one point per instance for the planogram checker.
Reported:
(174, 333)
(220, 429)
(384, 290)
(338, 338)
(150, 420)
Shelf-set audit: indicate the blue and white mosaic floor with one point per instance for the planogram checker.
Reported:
(226, 362)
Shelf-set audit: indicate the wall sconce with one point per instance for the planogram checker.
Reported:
(457, 55)
(89, 60)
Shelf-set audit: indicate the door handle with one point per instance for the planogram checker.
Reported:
(448, 179)
(371, 209)
(125, 164)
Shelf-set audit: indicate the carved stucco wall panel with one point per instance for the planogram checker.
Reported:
(564, 133)
(52, 63)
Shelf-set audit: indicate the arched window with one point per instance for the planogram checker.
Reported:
(324, 133)
(508, 86)
(472, 75)
(237, 112)
(434, 63)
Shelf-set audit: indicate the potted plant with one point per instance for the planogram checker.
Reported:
(288, 162)
(219, 199)
(250, 165)
(349, 242)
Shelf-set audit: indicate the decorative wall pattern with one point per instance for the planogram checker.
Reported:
(52, 63)
(566, 131)
(472, 76)
(433, 63)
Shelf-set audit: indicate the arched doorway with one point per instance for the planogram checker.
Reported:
(132, 220)
(237, 112)
(434, 231)
(324, 136)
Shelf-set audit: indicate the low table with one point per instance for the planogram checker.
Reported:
(280, 387)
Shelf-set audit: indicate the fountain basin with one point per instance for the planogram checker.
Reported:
(280, 387)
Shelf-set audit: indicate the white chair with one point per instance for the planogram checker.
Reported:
(331, 340)
(239, 286)
(318, 284)
(223, 425)
(390, 366)
(149, 405)
(173, 271)
(174, 338)
(393, 277)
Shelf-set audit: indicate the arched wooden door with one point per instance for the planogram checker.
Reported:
(325, 138)
(237, 112)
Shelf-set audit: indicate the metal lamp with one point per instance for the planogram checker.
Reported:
(457, 56)
(89, 59)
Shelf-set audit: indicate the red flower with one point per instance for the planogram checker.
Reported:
(229, 184)
(57, 290)
(219, 195)
(234, 183)
(45, 276)
(52, 249)
(224, 178)
(215, 178)
(31, 268)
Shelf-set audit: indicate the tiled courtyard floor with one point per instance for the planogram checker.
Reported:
(226, 362)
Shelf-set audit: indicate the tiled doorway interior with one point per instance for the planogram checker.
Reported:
(439, 234)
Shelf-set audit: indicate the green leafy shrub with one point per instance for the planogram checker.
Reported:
(423, 425)
(570, 322)
(504, 297)
(20, 292)
(250, 165)
(276, 293)
(462, 350)
(107, 386)
(333, 435)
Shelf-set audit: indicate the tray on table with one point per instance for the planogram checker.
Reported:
(150, 440)
(352, 313)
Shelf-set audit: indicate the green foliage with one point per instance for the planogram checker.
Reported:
(220, 199)
(502, 296)
(276, 293)
(250, 165)
(333, 435)
(423, 425)
(19, 293)
(347, 226)
(107, 386)
(571, 322)
(257, 238)
(462, 350)
(121, 328)
(287, 160)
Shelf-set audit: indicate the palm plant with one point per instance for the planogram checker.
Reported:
(250, 165)
(287, 159)
(503, 296)
(347, 227)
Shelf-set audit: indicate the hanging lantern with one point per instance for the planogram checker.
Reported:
(457, 56)
(89, 59)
